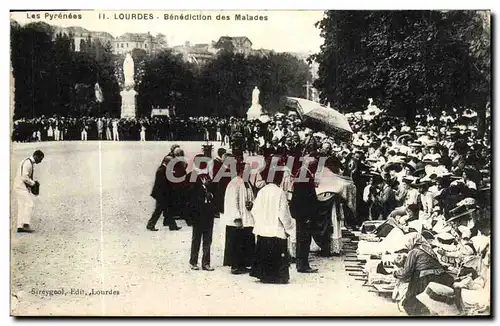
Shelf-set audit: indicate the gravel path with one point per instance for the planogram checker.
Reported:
(90, 236)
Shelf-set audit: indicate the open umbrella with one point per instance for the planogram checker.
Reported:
(319, 117)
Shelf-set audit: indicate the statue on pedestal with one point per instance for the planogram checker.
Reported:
(255, 111)
(128, 93)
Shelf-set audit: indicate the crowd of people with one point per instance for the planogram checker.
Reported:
(425, 187)
(154, 128)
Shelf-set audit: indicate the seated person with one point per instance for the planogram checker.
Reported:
(411, 214)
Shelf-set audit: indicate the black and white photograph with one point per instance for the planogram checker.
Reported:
(216, 163)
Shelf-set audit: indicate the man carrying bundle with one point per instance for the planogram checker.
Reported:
(26, 189)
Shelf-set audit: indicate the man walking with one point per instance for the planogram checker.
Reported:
(160, 193)
(25, 189)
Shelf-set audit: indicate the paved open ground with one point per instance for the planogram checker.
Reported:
(90, 234)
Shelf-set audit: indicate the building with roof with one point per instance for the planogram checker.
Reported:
(235, 44)
(196, 53)
(129, 41)
(79, 34)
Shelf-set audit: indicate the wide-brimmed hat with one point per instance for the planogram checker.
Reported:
(428, 235)
(445, 237)
(404, 138)
(420, 183)
(444, 175)
(439, 299)
(415, 144)
(419, 173)
(469, 201)
(409, 178)
(430, 162)
(393, 166)
(461, 212)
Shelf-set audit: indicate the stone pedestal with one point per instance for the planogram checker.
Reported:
(254, 112)
(128, 103)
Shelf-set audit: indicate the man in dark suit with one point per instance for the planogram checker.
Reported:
(160, 193)
(202, 212)
(218, 195)
(304, 215)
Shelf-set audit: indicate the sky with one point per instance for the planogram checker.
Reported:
(291, 31)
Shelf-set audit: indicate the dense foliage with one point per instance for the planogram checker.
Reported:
(51, 78)
(409, 62)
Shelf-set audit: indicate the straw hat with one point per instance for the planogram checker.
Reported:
(430, 162)
(415, 144)
(404, 138)
(393, 166)
(409, 178)
(439, 299)
(444, 241)
(420, 173)
(420, 183)
(461, 211)
(467, 202)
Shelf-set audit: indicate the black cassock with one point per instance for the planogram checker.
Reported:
(304, 209)
(201, 210)
(161, 193)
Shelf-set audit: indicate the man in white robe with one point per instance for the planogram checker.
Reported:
(273, 225)
(240, 241)
(23, 189)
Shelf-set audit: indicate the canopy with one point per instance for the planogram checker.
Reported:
(319, 117)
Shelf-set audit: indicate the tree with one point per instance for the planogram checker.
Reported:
(33, 69)
(409, 62)
(96, 64)
(227, 82)
(161, 40)
(168, 81)
(139, 56)
(51, 78)
(63, 73)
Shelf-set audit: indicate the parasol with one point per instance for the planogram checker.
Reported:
(319, 117)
